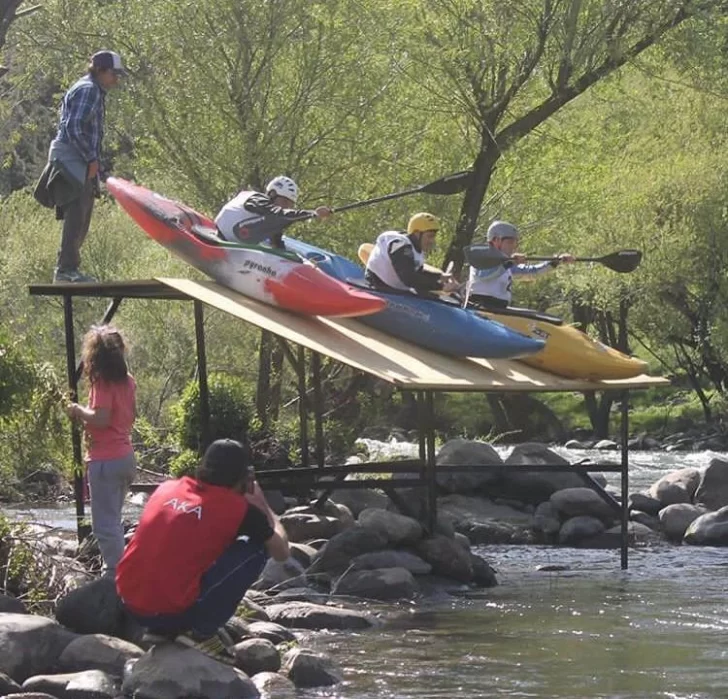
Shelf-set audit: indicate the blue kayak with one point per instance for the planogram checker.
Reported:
(425, 321)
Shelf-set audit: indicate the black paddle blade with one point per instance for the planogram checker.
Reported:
(484, 256)
(623, 260)
(452, 184)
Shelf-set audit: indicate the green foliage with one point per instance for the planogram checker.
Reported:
(184, 464)
(16, 375)
(230, 411)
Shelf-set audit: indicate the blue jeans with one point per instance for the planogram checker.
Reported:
(222, 587)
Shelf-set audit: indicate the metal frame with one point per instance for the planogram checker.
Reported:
(319, 476)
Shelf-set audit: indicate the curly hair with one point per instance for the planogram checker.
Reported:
(103, 354)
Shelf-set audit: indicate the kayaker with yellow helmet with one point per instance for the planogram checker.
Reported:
(398, 258)
(493, 286)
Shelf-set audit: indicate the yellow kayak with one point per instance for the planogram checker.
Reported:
(568, 351)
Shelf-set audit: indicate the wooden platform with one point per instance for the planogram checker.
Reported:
(400, 363)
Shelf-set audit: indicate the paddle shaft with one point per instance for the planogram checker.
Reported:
(450, 184)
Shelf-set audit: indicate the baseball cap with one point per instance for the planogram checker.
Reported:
(502, 229)
(109, 60)
(226, 462)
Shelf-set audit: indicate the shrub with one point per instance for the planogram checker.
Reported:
(231, 408)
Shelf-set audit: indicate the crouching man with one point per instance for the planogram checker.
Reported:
(200, 544)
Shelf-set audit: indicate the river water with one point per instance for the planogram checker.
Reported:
(592, 630)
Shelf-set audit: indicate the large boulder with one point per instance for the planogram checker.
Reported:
(274, 685)
(447, 558)
(399, 530)
(304, 615)
(392, 559)
(93, 684)
(304, 525)
(536, 486)
(713, 489)
(335, 557)
(676, 487)
(256, 655)
(93, 608)
(97, 651)
(305, 668)
(381, 583)
(710, 529)
(171, 671)
(11, 605)
(30, 645)
(464, 452)
(675, 519)
(579, 529)
(574, 502)
(358, 500)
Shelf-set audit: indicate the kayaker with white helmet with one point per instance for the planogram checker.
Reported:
(252, 217)
(493, 286)
(398, 258)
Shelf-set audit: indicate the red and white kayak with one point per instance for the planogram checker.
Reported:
(275, 277)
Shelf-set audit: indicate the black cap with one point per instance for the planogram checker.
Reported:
(226, 462)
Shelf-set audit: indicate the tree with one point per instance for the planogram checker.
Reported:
(508, 67)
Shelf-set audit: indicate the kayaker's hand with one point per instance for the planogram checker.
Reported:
(72, 410)
(565, 257)
(518, 258)
(323, 212)
(449, 284)
(92, 170)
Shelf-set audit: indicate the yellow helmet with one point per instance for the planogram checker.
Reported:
(423, 222)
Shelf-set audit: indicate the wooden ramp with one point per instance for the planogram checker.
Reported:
(400, 363)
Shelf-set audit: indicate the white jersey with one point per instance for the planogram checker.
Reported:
(380, 263)
(498, 282)
(233, 217)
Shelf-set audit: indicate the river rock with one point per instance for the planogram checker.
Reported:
(464, 452)
(573, 502)
(536, 486)
(171, 671)
(11, 605)
(303, 615)
(606, 445)
(710, 529)
(446, 557)
(676, 519)
(546, 519)
(381, 583)
(676, 487)
(280, 575)
(304, 526)
(269, 630)
(483, 573)
(99, 652)
(256, 655)
(93, 684)
(644, 503)
(359, 500)
(390, 558)
(713, 489)
(335, 557)
(305, 668)
(93, 608)
(650, 521)
(577, 529)
(274, 685)
(398, 529)
(30, 645)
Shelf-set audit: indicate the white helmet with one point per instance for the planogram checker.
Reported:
(284, 187)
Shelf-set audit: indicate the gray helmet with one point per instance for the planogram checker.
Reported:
(502, 229)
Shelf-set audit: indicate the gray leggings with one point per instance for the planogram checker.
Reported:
(109, 482)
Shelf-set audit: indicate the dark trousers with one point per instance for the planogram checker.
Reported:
(223, 586)
(76, 222)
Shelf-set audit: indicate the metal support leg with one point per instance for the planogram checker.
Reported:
(625, 478)
(431, 466)
(78, 468)
(302, 408)
(318, 409)
(205, 437)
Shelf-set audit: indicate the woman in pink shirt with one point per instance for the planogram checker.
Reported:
(107, 421)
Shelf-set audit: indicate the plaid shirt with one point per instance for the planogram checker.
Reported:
(81, 121)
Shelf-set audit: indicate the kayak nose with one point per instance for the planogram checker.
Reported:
(306, 289)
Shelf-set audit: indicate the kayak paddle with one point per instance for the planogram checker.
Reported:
(486, 257)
